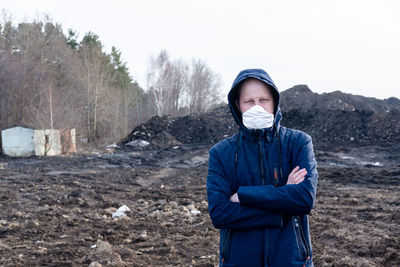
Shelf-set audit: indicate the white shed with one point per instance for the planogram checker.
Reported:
(25, 142)
(48, 141)
(18, 142)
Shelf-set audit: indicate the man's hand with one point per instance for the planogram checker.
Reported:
(234, 198)
(297, 176)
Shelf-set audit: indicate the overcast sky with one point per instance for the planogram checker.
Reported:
(347, 45)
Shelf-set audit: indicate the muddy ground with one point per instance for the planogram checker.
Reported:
(57, 211)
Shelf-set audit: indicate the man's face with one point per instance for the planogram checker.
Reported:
(254, 92)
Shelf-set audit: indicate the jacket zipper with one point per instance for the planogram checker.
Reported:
(262, 174)
(260, 156)
(303, 238)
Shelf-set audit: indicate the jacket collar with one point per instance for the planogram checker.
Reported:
(254, 135)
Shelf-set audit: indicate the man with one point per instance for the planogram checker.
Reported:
(261, 182)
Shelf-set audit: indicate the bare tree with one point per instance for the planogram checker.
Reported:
(203, 86)
(175, 86)
(96, 73)
(157, 76)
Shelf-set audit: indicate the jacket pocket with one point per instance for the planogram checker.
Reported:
(302, 243)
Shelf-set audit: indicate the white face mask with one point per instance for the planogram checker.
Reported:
(257, 118)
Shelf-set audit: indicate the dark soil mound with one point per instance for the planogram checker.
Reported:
(341, 119)
(207, 128)
(196, 129)
(331, 119)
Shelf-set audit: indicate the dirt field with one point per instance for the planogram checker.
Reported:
(57, 211)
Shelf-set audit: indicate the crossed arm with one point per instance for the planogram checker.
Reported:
(295, 177)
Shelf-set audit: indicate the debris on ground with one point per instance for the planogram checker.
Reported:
(120, 211)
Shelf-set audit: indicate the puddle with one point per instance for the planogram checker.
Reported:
(147, 181)
(82, 171)
(186, 162)
(106, 166)
(357, 157)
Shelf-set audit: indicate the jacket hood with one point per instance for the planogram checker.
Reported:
(233, 94)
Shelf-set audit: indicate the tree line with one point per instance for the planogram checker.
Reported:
(50, 79)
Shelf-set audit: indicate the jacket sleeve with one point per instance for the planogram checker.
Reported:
(293, 199)
(226, 214)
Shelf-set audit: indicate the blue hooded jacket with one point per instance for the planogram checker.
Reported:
(269, 227)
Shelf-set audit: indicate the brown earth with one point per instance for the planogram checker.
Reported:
(57, 211)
